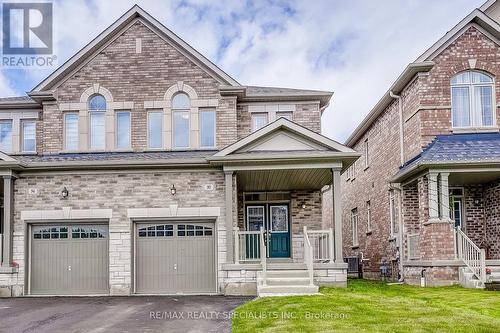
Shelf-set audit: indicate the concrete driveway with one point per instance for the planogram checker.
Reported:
(118, 314)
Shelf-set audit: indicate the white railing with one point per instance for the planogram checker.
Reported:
(247, 246)
(413, 243)
(308, 256)
(263, 257)
(473, 257)
(321, 244)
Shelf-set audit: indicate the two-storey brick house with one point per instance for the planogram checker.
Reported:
(140, 167)
(424, 199)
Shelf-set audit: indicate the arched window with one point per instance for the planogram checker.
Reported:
(180, 115)
(472, 100)
(97, 114)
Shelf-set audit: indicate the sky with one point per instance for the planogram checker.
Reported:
(354, 48)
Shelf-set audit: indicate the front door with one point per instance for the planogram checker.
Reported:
(275, 220)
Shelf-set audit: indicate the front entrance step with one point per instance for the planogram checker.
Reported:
(271, 266)
(289, 281)
(468, 280)
(285, 273)
(266, 291)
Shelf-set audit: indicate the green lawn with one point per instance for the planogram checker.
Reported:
(367, 306)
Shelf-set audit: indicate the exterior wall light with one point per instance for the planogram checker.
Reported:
(173, 190)
(64, 192)
(303, 206)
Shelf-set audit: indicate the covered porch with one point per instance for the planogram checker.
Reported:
(276, 232)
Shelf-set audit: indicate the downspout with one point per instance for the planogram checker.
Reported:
(401, 140)
(397, 187)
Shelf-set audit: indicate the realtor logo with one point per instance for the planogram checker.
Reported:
(27, 34)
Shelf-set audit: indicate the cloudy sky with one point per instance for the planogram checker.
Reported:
(355, 48)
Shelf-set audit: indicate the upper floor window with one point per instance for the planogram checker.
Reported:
(180, 115)
(71, 131)
(6, 135)
(368, 216)
(123, 129)
(28, 134)
(367, 155)
(472, 100)
(155, 129)
(97, 110)
(259, 120)
(207, 128)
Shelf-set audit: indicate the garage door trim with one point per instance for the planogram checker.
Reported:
(137, 222)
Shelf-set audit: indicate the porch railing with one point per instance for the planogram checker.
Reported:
(413, 243)
(247, 246)
(263, 257)
(321, 242)
(308, 256)
(473, 257)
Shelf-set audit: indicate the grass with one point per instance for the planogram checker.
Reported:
(369, 306)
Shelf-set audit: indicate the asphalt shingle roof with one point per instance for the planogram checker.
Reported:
(458, 149)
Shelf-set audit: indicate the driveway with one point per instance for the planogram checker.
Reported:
(118, 314)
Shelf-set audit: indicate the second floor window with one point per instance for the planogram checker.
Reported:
(6, 136)
(122, 129)
(71, 131)
(97, 111)
(368, 216)
(367, 155)
(286, 115)
(155, 129)
(207, 128)
(354, 220)
(259, 120)
(28, 132)
(472, 100)
(180, 115)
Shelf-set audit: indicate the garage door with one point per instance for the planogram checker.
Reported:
(69, 260)
(175, 258)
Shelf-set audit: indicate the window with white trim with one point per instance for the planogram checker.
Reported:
(71, 131)
(367, 154)
(155, 129)
(472, 100)
(28, 135)
(123, 126)
(207, 128)
(6, 136)
(368, 216)
(259, 120)
(97, 114)
(180, 120)
(354, 223)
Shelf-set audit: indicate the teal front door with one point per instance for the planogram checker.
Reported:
(278, 231)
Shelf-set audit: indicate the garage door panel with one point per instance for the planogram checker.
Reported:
(175, 258)
(69, 260)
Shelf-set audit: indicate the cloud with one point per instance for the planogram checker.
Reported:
(355, 48)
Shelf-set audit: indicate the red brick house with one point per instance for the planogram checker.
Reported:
(424, 199)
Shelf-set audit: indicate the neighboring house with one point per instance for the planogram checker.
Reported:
(431, 164)
(139, 167)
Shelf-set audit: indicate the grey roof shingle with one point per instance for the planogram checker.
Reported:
(277, 91)
(16, 99)
(458, 149)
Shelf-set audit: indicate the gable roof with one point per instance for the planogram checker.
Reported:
(424, 63)
(312, 145)
(456, 149)
(135, 13)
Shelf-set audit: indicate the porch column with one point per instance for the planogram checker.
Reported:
(444, 196)
(337, 215)
(8, 191)
(228, 180)
(433, 196)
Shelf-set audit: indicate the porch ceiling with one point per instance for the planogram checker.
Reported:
(466, 178)
(283, 180)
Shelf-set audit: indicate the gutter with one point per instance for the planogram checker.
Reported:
(401, 140)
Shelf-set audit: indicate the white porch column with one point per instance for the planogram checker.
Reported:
(444, 194)
(433, 196)
(8, 191)
(228, 180)
(337, 215)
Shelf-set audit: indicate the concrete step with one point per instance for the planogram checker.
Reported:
(267, 291)
(280, 281)
(468, 279)
(285, 273)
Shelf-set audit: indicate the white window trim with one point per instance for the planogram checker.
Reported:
(369, 216)
(130, 130)
(91, 113)
(257, 114)
(367, 156)
(473, 124)
(65, 149)
(355, 227)
(215, 127)
(22, 144)
(11, 121)
(174, 111)
(462, 205)
(161, 132)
